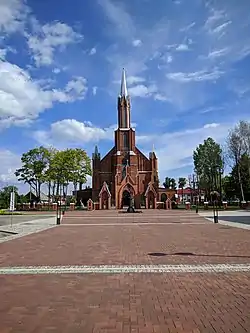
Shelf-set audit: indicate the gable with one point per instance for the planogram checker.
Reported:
(150, 188)
(140, 153)
(108, 155)
(105, 189)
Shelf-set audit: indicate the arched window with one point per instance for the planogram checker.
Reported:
(125, 140)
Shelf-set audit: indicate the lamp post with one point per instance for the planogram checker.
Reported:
(58, 215)
(214, 197)
(58, 207)
(197, 190)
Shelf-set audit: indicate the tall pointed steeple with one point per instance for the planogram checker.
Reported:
(123, 104)
(124, 91)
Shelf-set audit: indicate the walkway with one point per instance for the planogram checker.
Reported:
(153, 272)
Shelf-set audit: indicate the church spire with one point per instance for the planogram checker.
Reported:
(123, 104)
(124, 91)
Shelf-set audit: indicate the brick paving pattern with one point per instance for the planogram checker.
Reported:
(131, 302)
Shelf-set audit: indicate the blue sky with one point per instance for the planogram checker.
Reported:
(187, 64)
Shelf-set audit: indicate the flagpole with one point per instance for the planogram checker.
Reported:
(12, 205)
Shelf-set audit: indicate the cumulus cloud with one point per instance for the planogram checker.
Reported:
(49, 38)
(9, 163)
(22, 99)
(72, 131)
(13, 14)
(141, 90)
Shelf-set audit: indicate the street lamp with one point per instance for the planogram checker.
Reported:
(214, 196)
(58, 207)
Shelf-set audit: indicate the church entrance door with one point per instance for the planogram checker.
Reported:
(125, 198)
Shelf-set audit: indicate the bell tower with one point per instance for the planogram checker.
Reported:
(124, 135)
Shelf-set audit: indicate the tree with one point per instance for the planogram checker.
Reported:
(172, 184)
(70, 165)
(181, 184)
(56, 168)
(243, 130)
(34, 165)
(5, 196)
(235, 148)
(229, 187)
(208, 164)
(243, 170)
(82, 167)
(167, 183)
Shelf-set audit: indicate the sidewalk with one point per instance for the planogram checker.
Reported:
(179, 273)
(29, 226)
(237, 219)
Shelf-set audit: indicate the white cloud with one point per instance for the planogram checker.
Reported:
(195, 76)
(216, 45)
(94, 90)
(218, 53)
(188, 27)
(141, 90)
(23, 99)
(214, 19)
(160, 97)
(119, 17)
(12, 15)
(49, 38)
(137, 42)
(56, 70)
(72, 131)
(212, 125)
(169, 59)
(179, 152)
(135, 79)
(182, 47)
(3, 53)
(9, 163)
(92, 51)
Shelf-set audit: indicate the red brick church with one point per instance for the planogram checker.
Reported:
(125, 172)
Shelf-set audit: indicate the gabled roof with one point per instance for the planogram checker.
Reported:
(105, 189)
(127, 180)
(43, 196)
(150, 188)
(138, 150)
(111, 151)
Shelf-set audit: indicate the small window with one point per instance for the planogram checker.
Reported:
(125, 140)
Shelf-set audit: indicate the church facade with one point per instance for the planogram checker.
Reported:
(125, 172)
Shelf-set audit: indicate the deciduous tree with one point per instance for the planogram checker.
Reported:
(34, 165)
(182, 181)
(208, 163)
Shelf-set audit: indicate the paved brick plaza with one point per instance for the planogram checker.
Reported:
(125, 302)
